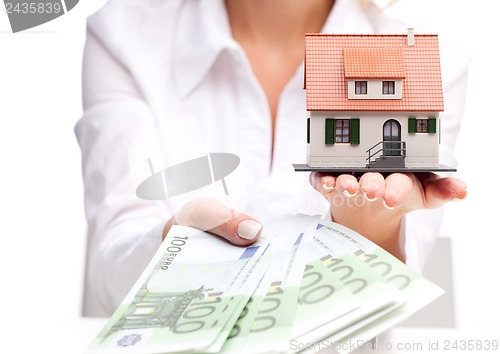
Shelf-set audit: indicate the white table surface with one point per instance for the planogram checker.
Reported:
(73, 335)
(81, 331)
(434, 340)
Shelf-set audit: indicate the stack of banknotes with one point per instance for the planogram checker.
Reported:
(307, 285)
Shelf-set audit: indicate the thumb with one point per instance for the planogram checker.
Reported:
(211, 215)
(439, 191)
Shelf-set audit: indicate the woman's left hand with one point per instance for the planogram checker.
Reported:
(374, 205)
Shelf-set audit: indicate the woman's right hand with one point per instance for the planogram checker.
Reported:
(211, 215)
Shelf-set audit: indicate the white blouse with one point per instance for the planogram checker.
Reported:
(164, 83)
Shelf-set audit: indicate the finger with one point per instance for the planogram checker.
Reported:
(213, 216)
(398, 187)
(442, 190)
(348, 185)
(321, 182)
(372, 185)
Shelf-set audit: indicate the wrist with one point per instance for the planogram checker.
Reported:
(375, 222)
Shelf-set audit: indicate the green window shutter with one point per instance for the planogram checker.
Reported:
(412, 125)
(431, 125)
(308, 130)
(329, 131)
(354, 133)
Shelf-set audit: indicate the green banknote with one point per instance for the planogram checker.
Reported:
(238, 336)
(266, 322)
(372, 291)
(272, 326)
(415, 291)
(397, 274)
(191, 289)
(322, 298)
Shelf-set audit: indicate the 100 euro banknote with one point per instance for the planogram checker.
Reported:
(193, 291)
(189, 290)
(415, 291)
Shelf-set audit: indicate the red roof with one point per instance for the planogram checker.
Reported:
(331, 59)
(373, 63)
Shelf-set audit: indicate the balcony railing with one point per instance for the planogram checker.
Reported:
(386, 148)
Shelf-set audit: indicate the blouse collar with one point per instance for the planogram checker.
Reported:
(203, 33)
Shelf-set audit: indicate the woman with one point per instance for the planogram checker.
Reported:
(232, 72)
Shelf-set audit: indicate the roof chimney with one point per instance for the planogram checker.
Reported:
(411, 37)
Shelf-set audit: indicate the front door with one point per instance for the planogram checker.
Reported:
(392, 138)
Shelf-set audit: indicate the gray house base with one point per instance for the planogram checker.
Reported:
(344, 169)
(387, 162)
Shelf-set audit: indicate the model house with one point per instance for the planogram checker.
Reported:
(373, 101)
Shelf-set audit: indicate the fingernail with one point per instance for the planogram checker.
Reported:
(369, 199)
(248, 229)
(328, 188)
(456, 200)
(387, 207)
(347, 194)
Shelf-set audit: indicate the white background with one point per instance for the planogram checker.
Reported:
(42, 224)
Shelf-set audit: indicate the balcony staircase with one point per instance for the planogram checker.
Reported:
(387, 154)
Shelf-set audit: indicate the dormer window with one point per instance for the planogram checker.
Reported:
(388, 87)
(361, 87)
(375, 89)
(373, 73)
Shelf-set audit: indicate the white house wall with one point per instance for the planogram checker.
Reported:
(422, 148)
(374, 90)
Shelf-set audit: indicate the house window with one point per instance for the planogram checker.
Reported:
(360, 87)
(422, 126)
(342, 130)
(388, 87)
